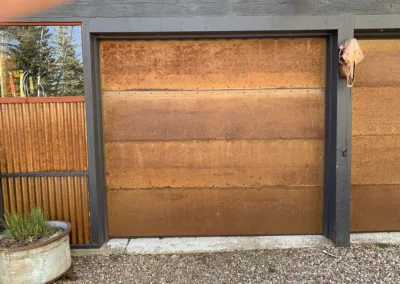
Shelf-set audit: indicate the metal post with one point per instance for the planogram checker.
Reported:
(97, 192)
(338, 134)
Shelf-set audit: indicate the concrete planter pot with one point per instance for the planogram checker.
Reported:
(41, 263)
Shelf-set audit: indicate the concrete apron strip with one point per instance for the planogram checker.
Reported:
(225, 244)
(221, 244)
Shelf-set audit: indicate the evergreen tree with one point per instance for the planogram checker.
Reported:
(69, 68)
(50, 59)
(30, 48)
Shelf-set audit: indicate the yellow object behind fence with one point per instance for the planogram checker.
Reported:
(20, 74)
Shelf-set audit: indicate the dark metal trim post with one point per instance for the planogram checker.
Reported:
(45, 174)
(338, 134)
(330, 134)
(159, 26)
(377, 22)
(97, 191)
(377, 27)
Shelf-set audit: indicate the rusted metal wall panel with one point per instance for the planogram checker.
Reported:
(376, 110)
(218, 115)
(213, 211)
(216, 64)
(214, 137)
(61, 198)
(376, 139)
(213, 163)
(375, 208)
(376, 159)
(46, 135)
(43, 137)
(381, 63)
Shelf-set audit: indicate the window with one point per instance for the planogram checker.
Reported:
(40, 61)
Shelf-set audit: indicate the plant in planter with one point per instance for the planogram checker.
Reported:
(34, 250)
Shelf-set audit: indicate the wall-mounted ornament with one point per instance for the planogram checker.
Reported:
(350, 55)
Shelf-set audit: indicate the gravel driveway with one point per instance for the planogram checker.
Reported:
(378, 263)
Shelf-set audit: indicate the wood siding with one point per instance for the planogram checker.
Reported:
(191, 8)
(375, 196)
(213, 137)
(46, 135)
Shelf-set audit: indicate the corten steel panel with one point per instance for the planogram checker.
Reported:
(376, 160)
(213, 163)
(376, 139)
(216, 64)
(218, 115)
(61, 198)
(376, 111)
(381, 64)
(43, 136)
(232, 145)
(208, 211)
(375, 208)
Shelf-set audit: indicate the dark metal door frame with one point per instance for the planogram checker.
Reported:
(338, 107)
(98, 29)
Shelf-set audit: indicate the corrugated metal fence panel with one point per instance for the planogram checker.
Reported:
(43, 137)
(375, 176)
(62, 198)
(46, 135)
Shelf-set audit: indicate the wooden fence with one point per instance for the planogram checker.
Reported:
(43, 159)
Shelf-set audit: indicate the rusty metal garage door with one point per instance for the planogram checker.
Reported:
(375, 190)
(213, 137)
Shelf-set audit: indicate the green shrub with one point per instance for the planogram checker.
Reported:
(21, 227)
